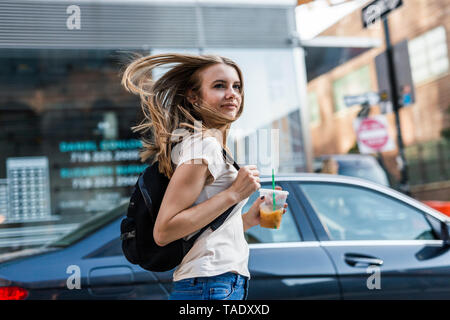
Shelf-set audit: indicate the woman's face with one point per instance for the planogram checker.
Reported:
(221, 89)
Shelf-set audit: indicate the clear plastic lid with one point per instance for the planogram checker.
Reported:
(280, 197)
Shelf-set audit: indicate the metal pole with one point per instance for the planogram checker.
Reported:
(404, 183)
(302, 84)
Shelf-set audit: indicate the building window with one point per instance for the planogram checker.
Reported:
(352, 84)
(428, 55)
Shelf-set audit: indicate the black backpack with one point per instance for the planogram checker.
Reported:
(136, 228)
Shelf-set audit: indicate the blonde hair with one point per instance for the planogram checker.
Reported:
(165, 105)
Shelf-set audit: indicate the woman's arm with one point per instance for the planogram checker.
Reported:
(176, 218)
(245, 222)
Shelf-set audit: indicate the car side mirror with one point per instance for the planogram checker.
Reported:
(445, 236)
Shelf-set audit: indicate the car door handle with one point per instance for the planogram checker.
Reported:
(359, 260)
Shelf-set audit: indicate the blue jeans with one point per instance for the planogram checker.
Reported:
(227, 286)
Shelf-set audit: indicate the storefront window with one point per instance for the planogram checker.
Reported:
(68, 153)
(67, 148)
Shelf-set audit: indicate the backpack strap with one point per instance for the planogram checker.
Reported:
(187, 245)
(228, 158)
(145, 193)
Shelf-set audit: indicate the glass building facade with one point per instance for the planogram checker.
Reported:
(67, 150)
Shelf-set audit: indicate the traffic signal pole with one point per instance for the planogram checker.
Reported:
(404, 179)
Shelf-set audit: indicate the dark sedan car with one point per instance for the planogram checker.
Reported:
(341, 238)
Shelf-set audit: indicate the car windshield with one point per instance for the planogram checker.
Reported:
(364, 170)
(90, 226)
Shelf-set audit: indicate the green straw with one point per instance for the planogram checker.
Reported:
(273, 187)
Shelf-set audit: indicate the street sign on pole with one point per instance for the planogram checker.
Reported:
(378, 9)
(372, 134)
(369, 98)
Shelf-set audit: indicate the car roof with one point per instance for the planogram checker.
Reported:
(324, 177)
(315, 176)
(350, 156)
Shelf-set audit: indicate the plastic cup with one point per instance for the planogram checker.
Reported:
(268, 217)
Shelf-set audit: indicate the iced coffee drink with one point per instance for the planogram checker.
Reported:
(270, 214)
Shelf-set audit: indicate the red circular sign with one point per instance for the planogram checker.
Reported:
(373, 133)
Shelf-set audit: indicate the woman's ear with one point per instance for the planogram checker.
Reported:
(192, 96)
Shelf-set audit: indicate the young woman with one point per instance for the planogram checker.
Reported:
(196, 100)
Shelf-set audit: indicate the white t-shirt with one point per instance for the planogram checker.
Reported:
(225, 249)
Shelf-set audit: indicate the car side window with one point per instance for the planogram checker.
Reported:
(288, 231)
(356, 213)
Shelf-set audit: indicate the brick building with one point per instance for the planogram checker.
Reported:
(426, 26)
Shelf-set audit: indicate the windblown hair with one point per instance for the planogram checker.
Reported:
(165, 105)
